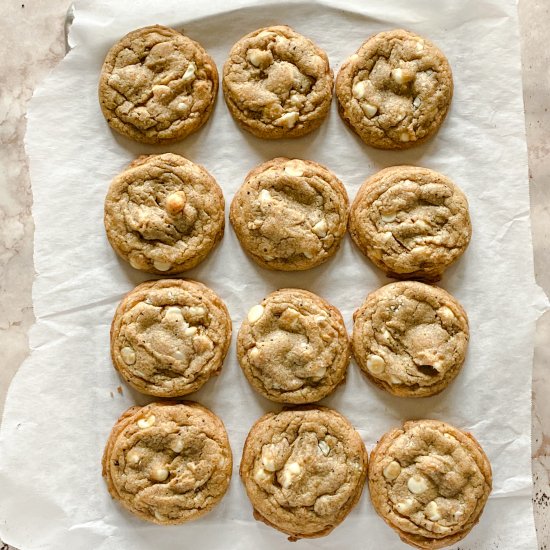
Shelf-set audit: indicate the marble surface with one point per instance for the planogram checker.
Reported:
(34, 42)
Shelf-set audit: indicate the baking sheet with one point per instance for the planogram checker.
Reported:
(64, 400)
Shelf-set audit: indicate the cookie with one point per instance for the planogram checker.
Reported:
(290, 215)
(169, 337)
(411, 222)
(157, 85)
(410, 338)
(304, 470)
(168, 463)
(429, 481)
(164, 214)
(277, 83)
(395, 91)
(293, 347)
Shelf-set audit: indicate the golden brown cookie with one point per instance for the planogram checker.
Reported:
(164, 214)
(395, 91)
(293, 347)
(304, 470)
(411, 222)
(410, 338)
(168, 462)
(157, 85)
(277, 83)
(429, 481)
(290, 214)
(169, 337)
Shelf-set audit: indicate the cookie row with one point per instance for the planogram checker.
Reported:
(169, 337)
(164, 214)
(158, 86)
(303, 469)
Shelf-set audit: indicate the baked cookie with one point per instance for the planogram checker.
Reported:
(429, 481)
(290, 215)
(157, 85)
(164, 214)
(411, 222)
(169, 337)
(395, 91)
(277, 83)
(293, 347)
(168, 462)
(410, 338)
(304, 470)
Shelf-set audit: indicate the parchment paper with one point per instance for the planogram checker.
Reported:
(64, 400)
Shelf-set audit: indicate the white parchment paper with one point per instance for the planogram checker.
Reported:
(63, 401)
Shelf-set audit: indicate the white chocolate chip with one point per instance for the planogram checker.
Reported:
(319, 372)
(173, 314)
(308, 254)
(354, 57)
(255, 313)
(265, 34)
(319, 318)
(181, 107)
(189, 74)
(128, 355)
(389, 216)
(405, 506)
(392, 470)
(369, 109)
(161, 266)
(432, 511)
(175, 202)
(268, 458)
(177, 445)
(402, 76)
(160, 91)
(450, 437)
(196, 311)
(133, 457)
(324, 448)
(261, 475)
(289, 473)
(446, 313)
(417, 101)
(146, 422)
(417, 484)
(264, 197)
(288, 120)
(359, 89)
(178, 355)
(254, 353)
(159, 474)
(320, 228)
(190, 331)
(395, 380)
(404, 137)
(376, 364)
(420, 45)
(294, 168)
(259, 58)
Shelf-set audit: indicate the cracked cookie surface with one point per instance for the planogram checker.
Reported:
(164, 214)
(304, 470)
(395, 91)
(168, 463)
(169, 337)
(411, 222)
(290, 214)
(410, 338)
(277, 83)
(157, 85)
(293, 347)
(429, 481)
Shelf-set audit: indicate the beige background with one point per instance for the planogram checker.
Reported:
(34, 42)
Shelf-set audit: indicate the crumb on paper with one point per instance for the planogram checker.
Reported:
(119, 390)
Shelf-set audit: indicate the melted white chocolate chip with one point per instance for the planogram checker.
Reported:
(255, 313)
(128, 355)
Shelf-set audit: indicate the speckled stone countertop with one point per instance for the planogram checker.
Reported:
(34, 42)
